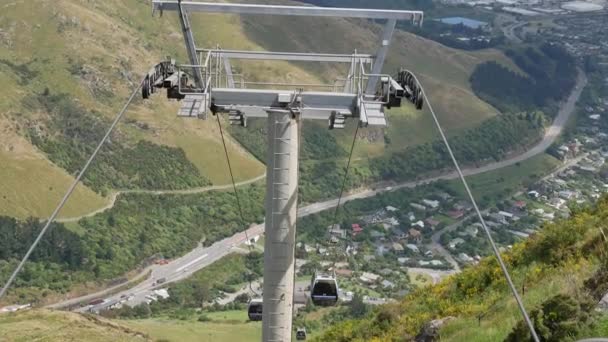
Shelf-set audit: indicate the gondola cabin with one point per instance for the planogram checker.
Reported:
(254, 310)
(324, 289)
(301, 334)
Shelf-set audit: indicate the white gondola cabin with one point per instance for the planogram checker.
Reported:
(254, 310)
(324, 289)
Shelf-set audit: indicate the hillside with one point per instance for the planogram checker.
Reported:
(94, 51)
(561, 272)
(45, 325)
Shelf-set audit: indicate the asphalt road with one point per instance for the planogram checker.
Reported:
(199, 258)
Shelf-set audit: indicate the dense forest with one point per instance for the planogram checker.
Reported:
(71, 134)
(491, 141)
(108, 245)
(479, 301)
(551, 75)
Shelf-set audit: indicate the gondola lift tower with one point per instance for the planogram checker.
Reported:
(208, 85)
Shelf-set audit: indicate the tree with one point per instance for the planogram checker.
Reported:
(358, 308)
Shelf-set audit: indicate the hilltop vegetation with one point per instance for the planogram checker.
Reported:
(562, 269)
(551, 74)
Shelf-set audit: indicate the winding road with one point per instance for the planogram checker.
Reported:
(199, 258)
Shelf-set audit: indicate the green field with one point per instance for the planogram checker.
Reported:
(32, 186)
(496, 185)
(225, 326)
(58, 326)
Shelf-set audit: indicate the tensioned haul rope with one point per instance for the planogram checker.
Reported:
(236, 195)
(69, 192)
(481, 219)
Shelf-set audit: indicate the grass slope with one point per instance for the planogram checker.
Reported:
(225, 326)
(45, 325)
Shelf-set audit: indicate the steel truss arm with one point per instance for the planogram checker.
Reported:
(172, 5)
(291, 56)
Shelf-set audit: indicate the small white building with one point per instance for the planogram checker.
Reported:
(419, 224)
(412, 248)
(431, 204)
(369, 278)
(457, 241)
(391, 208)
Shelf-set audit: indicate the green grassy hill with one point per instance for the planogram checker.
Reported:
(561, 272)
(45, 325)
(95, 52)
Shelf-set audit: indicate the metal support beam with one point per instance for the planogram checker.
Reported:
(228, 69)
(309, 11)
(292, 56)
(281, 214)
(387, 36)
(190, 46)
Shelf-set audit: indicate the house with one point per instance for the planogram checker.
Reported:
(506, 215)
(412, 248)
(336, 231)
(567, 194)
(386, 271)
(391, 209)
(520, 205)
(428, 254)
(418, 224)
(464, 206)
(424, 263)
(369, 278)
(403, 260)
(344, 272)
(432, 222)
(376, 234)
(411, 217)
(368, 257)
(308, 248)
(415, 235)
(455, 242)
(418, 206)
(392, 221)
(455, 214)
(381, 250)
(533, 194)
(398, 248)
(539, 211)
(471, 231)
(387, 284)
(557, 202)
(436, 262)
(341, 264)
(465, 258)
(322, 251)
(444, 196)
(356, 229)
(399, 234)
(498, 218)
(431, 204)
(493, 224)
(162, 293)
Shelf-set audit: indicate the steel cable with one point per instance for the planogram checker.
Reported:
(236, 195)
(70, 191)
(481, 219)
